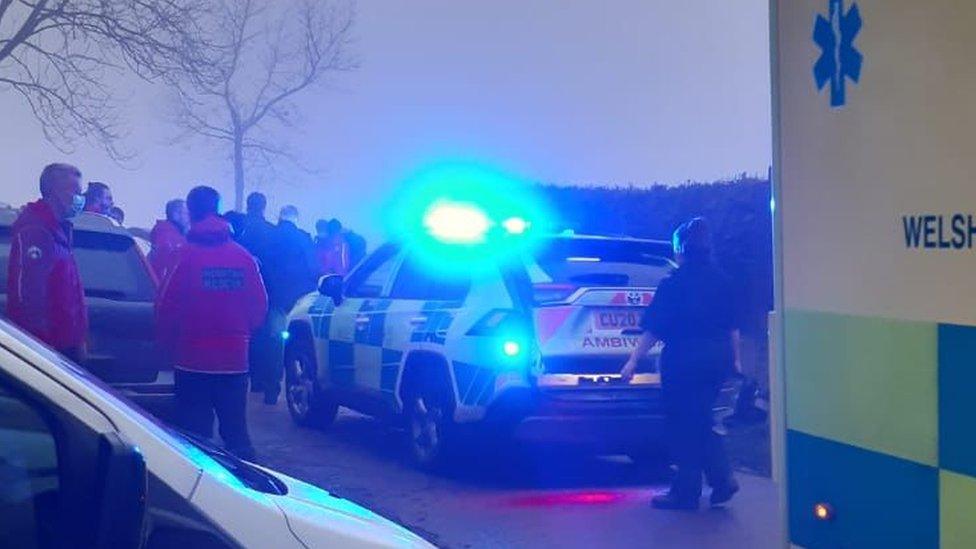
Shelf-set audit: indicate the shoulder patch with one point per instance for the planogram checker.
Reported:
(34, 253)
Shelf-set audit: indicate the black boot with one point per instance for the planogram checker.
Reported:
(723, 493)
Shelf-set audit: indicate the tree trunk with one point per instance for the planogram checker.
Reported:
(239, 172)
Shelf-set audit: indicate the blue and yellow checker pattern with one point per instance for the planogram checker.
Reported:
(879, 417)
(369, 352)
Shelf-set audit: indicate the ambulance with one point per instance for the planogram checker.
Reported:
(530, 347)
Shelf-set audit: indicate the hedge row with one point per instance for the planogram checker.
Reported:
(738, 212)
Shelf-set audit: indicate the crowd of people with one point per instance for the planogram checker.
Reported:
(229, 280)
(227, 283)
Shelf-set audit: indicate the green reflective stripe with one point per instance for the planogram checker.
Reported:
(868, 382)
(957, 499)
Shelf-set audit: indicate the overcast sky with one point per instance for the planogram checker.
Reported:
(587, 92)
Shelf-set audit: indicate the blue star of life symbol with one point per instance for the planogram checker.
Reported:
(839, 59)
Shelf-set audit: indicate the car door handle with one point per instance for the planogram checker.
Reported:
(418, 320)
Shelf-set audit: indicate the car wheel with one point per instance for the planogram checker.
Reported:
(430, 426)
(308, 406)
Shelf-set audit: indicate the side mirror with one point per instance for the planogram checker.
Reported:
(331, 286)
(123, 483)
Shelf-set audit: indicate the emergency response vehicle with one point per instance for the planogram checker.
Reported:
(532, 347)
(80, 467)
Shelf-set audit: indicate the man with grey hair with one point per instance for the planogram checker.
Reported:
(44, 291)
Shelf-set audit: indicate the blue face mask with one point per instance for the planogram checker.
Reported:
(77, 204)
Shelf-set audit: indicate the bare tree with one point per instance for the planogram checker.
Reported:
(268, 53)
(57, 53)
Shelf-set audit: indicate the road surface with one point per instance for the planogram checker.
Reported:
(533, 498)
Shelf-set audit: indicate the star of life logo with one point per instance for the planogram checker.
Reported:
(839, 59)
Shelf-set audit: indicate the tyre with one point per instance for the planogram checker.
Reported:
(431, 432)
(307, 404)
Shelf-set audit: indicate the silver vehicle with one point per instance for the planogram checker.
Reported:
(120, 293)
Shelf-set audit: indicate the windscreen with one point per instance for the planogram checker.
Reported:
(111, 266)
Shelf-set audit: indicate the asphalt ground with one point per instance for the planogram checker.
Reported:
(518, 496)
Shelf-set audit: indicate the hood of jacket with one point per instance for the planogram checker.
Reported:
(211, 231)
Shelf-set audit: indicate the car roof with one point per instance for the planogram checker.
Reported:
(607, 238)
(85, 221)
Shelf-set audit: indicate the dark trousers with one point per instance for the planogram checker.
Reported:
(267, 354)
(199, 396)
(695, 446)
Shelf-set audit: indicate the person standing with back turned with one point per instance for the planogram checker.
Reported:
(260, 237)
(694, 314)
(209, 307)
(294, 275)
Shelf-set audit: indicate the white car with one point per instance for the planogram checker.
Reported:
(79, 467)
(533, 347)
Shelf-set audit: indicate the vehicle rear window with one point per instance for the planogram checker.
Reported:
(111, 266)
(600, 262)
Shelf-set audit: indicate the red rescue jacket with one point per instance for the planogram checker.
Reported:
(212, 302)
(44, 292)
(333, 255)
(167, 239)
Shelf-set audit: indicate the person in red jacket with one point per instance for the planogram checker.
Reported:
(205, 314)
(167, 237)
(44, 291)
(331, 247)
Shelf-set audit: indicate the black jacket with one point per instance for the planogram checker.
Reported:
(293, 271)
(694, 312)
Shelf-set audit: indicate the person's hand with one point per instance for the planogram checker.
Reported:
(627, 372)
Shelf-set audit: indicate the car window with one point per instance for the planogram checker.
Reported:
(415, 281)
(110, 265)
(371, 277)
(599, 262)
(29, 478)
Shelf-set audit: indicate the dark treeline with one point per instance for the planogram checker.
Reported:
(738, 212)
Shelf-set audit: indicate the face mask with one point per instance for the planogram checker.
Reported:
(77, 204)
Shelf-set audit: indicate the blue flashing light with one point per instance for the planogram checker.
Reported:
(285, 335)
(511, 348)
(462, 218)
(456, 222)
(515, 225)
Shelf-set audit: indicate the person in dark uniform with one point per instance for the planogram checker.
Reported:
(294, 273)
(694, 313)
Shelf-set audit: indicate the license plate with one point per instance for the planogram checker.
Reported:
(616, 319)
